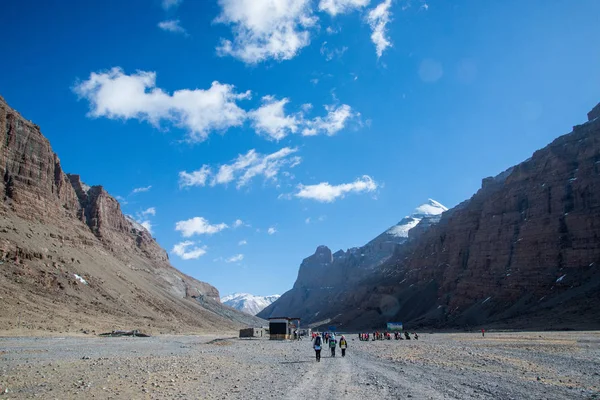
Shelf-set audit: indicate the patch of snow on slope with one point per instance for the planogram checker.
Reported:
(80, 279)
(248, 303)
(431, 210)
(401, 230)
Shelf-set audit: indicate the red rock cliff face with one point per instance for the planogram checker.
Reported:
(33, 183)
(527, 243)
(518, 235)
(35, 188)
(523, 252)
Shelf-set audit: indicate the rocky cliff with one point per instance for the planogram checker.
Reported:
(69, 257)
(325, 275)
(523, 252)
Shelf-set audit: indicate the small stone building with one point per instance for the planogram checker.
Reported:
(252, 333)
(282, 328)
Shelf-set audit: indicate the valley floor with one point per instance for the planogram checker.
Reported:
(543, 365)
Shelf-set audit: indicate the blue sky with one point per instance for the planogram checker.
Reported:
(307, 136)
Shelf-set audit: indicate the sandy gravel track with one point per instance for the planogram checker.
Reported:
(439, 366)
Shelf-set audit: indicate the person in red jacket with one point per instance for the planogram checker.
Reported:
(483, 332)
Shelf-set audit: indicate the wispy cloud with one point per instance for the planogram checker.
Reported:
(198, 226)
(172, 25)
(243, 169)
(336, 120)
(330, 54)
(143, 218)
(167, 4)
(378, 18)
(271, 231)
(148, 212)
(335, 7)
(310, 220)
(236, 258)
(270, 119)
(265, 29)
(194, 178)
(122, 200)
(116, 95)
(141, 189)
(327, 193)
(188, 250)
(242, 242)
(237, 223)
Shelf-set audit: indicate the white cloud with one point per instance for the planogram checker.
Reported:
(335, 7)
(167, 4)
(242, 242)
(198, 226)
(146, 224)
(314, 81)
(334, 121)
(143, 218)
(270, 118)
(115, 95)
(271, 231)
(122, 200)
(247, 166)
(141, 189)
(188, 250)
(237, 223)
(149, 211)
(236, 258)
(378, 18)
(194, 178)
(326, 193)
(265, 29)
(306, 107)
(171, 25)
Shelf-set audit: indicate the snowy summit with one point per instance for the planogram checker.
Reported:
(431, 210)
(248, 303)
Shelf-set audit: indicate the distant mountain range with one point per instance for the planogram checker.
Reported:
(248, 303)
(522, 253)
(325, 273)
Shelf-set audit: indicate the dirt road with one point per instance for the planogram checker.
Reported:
(439, 366)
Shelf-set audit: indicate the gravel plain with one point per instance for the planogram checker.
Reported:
(532, 365)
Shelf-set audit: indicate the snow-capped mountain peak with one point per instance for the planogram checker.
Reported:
(431, 210)
(248, 303)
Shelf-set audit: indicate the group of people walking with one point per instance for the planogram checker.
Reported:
(386, 336)
(328, 340)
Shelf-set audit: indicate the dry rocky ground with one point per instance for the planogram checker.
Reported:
(438, 366)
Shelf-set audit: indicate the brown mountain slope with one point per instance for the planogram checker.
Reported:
(523, 252)
(71, 260)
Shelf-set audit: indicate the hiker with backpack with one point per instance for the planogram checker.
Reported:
(317, 346)
(332, 344)
(343, 345)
